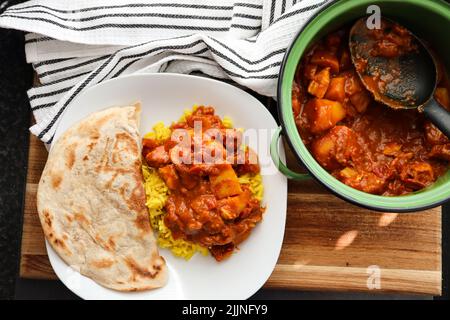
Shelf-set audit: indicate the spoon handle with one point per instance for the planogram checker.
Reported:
(439, 116)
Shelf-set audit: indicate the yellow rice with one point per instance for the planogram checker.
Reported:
(157, 194)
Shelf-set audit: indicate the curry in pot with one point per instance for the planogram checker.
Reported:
(361, 142)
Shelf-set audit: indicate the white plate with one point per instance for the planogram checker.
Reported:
(165, 97)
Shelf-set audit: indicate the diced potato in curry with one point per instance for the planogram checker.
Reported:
(226, 183)
(319, 84)
(417, 175)
(323, 114)
(336, 148)
(392, 149)
(336, 89)
(323, 150)
(231, 207)
(348, 173)
(360, 101)
(365, 181)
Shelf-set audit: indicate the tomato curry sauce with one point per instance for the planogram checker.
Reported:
(207, 204)
(361, 142)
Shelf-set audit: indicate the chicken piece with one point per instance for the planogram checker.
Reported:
(352, 83)
(417, 175)
(350, 110)
(247, 162)
(319, 84)
(203, 204)
(169, 144)
(180, 155)
(187, 179)
(401, 160)
(441, 152)
(323, 114)
(433, 135)
(205, 169)
(230, 208)
(253, 212)
(220, 253)
(325, 59)
(360, 101)
(213, 152)
(226, 183)
(335, 149)
(365, 181)
(158, 157)
(180, 217)
(297, 99)
(150, 143)
(392, 149)
(296, 107)
(336, 89)
(310, 71)
(170, 176)
(204, 116)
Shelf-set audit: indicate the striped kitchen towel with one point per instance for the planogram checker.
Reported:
(75, 44)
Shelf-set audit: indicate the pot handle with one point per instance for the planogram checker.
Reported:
(279, 164)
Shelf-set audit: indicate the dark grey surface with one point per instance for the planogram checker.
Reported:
(15, 79)
(44, 290)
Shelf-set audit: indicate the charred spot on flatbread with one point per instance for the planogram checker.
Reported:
(56, 180)
(102, 263)
(47, 218)
(138, 271)
(70, 155)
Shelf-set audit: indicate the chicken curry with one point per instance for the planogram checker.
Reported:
(361, 142)
(201, 167)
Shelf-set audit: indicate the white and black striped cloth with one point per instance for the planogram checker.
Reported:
(75, 44)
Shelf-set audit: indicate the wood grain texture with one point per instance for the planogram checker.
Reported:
(328, 245)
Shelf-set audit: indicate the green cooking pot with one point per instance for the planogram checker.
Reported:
(430, 20)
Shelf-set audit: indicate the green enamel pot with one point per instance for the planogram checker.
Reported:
(430, 20)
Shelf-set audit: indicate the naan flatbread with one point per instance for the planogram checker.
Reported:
(91, 202)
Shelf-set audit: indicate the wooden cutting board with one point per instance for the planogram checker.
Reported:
(328, 245)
